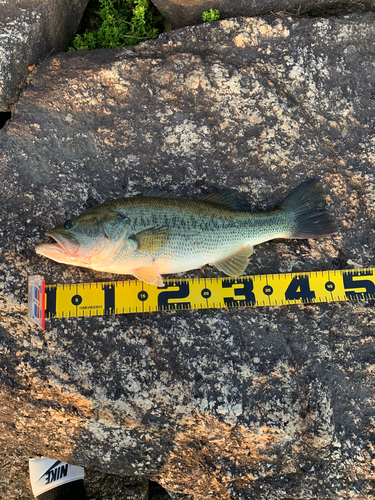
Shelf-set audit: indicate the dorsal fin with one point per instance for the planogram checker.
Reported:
(157, 193)
(227, 198)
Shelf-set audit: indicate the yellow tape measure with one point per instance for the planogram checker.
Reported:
(133, 296)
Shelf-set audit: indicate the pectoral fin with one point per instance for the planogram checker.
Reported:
(236, 264)
(149, 274)
(152, 239)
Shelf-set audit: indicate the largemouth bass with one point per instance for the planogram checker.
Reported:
(155, 234)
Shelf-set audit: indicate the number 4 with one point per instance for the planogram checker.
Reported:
(299, 289)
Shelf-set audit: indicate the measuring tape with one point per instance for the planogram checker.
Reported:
(133, 296)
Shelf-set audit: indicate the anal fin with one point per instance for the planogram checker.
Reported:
(236, 264)
(149, 274)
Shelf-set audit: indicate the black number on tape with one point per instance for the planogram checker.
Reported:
(51, 301)
(165, 298)
(299, 289)
(247, 291)
(351, 282)
(109, 299)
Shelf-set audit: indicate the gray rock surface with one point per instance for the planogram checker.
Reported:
(30, 31)
(180, 13)
(231, 403)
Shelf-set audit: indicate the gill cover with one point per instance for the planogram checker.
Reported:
(114, 228)
(115, 225)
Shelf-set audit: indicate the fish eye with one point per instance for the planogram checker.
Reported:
(69, 224)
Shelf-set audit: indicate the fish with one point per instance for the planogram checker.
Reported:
(153, 234)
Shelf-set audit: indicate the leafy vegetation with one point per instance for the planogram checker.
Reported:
(211, 15)
(115, 23)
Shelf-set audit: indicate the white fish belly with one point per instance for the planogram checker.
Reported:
(184, 256)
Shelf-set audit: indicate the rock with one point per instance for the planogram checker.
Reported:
(180, 13)
(31, 31)
(264, 403)
(157, 492)
(113, 487)
(177, 496)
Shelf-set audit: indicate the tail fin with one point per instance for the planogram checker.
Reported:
(307, 206)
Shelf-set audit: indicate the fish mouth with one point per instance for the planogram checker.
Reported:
(58, 245)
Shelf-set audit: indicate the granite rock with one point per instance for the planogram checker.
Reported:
(272, 403)
(180, 13)
(31, 31)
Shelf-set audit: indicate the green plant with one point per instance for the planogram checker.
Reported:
(118, 23)
(211, 15)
